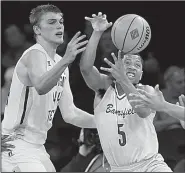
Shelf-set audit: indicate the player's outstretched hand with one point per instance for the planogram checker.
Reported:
(117, 69)
(145, 99)
(75, 46)
(4, 145)
(99, 22)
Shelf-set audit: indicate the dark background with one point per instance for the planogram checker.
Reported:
(167, 21)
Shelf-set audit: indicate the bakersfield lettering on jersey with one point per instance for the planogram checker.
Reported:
(122, 113)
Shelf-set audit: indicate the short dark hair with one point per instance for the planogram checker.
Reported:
(37, 12)
(137, 54)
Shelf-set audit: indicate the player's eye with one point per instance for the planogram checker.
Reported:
(52, 22)
(138, 65)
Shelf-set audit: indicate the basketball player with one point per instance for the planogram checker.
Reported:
(127, 134)
(157, 102)
(40, 83)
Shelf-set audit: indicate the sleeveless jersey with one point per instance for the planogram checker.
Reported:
(29, 115)
(125, 137)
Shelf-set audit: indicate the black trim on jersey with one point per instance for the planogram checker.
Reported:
(25, 104)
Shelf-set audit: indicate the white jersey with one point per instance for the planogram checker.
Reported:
(29, 115)
(125, 137)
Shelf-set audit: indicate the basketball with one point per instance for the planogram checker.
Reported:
(131, 33)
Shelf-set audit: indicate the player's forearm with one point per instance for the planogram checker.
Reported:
(162, 124)
(83, 119)
(128, 88)
(49, 79)
(89, 55)
(173, 110)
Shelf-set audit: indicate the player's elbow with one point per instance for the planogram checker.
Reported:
(40, 90)
(68, 119)
(85, 70)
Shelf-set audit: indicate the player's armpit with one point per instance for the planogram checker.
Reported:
(36, 68)
(96, 80)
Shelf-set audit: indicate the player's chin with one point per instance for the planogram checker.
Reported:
(59, 41)
(134, 81)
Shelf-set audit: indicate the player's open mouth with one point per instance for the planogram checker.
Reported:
(130, 74)
(59, 34)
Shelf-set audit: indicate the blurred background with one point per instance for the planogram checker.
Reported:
(163, 65)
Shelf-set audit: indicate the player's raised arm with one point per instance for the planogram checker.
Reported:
(157, 102)
(70, 113)
(93, 78)
(44, 80)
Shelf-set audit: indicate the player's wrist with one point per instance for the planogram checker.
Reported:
(97, 33)
(163, 107)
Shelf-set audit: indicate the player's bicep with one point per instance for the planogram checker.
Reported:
(96, 80)
(36, 66)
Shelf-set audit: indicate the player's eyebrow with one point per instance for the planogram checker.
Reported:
(54, 19)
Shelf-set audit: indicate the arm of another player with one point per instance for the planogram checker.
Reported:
(157, 102)
(36, 63)
(70, 113)
(93, 78)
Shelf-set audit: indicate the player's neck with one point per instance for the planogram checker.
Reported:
(48, 47)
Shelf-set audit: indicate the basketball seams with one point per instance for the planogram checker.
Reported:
(140, 37)
(127, 31)
(127, 27)
(115, 26)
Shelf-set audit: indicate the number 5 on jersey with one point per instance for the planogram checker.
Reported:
(122, 134)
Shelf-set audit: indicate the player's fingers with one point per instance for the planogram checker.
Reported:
(106, 69)
(75, 37)
(143, 92)
(88, 18)
(104, 16)
(81, 44)
(181, 103)
(99, 14)
(136, 102)
(109, 63)
(133, 95)
(80, 50)
(119, 54)
(141, 106)
(114, 57)
(109, 25)
(183, 98)
(178, 104)
(93, 15)
(78, 39)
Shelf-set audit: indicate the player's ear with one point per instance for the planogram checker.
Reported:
(36, 30)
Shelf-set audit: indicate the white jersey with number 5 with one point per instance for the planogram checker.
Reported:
(29, 115)
(125, 137)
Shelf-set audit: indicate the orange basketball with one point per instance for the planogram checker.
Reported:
(131, 33)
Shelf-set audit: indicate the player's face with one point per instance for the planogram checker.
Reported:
(178, 82)
(52, 27)
(133, 67)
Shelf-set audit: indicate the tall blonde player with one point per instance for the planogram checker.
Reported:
(40, 83)
(127, 134)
